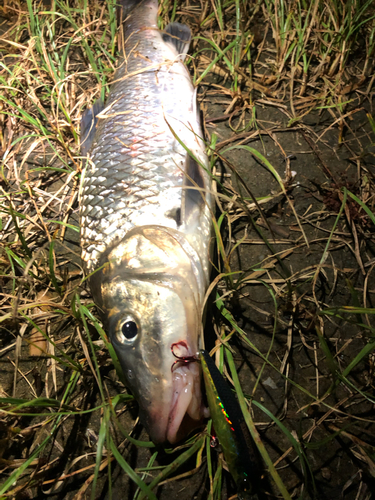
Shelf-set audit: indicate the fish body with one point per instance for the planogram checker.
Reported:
(231, 430)
(145, 217)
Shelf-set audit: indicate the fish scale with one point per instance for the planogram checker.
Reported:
(143, 161)
(145, 212)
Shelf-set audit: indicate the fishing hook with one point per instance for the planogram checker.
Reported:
(181, 359)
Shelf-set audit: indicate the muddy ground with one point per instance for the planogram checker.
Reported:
(278, 304)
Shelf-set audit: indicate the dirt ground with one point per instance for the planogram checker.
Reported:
(300, 266)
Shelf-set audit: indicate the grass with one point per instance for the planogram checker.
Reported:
(287, 95)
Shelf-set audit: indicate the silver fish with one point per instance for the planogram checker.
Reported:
(146, 220)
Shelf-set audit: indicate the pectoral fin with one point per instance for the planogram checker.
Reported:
(193, 196)
(88, 125)
(179, 36)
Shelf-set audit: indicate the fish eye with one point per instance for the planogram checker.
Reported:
(127, 331)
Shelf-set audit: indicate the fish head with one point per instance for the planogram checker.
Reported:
(149, 297)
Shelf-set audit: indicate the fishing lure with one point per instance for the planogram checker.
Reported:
(231, 430)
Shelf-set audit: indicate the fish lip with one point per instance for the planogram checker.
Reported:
(186, 410)
(167, 420)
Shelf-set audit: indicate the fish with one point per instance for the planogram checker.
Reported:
(146, 207)
(231, 430)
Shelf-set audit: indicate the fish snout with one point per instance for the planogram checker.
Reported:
(179, 409)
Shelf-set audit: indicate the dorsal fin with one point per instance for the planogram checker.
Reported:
(125, 7)
(88, 125)
(128, 5)
(179, 36)
(193, 198)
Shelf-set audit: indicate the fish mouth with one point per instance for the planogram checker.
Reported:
(181, 410)
(186, 412)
